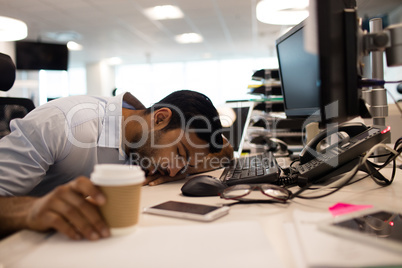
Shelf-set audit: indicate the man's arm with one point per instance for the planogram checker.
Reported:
(210, 162)
(70, 209)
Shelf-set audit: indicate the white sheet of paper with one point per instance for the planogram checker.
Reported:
(234, 244)
(321, 249)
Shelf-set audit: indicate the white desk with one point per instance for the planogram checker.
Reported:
(285, 226)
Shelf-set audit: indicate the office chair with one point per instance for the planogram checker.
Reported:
(10, 108)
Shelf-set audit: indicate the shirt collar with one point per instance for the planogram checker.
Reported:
(111, 134)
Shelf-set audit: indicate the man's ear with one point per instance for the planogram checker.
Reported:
(161, 118)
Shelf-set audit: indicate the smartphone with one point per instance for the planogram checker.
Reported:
(189, 211)
(378, 227)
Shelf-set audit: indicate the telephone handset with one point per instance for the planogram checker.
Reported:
(336, 158)
(351, 129)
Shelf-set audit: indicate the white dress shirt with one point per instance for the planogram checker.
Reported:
(59, 141)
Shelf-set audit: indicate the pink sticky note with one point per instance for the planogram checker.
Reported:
(343, 208)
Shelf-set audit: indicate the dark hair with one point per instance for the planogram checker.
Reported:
(193, 110)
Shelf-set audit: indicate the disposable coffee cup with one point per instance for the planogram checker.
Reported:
(121, 185)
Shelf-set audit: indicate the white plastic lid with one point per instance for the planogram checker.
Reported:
(117, 175)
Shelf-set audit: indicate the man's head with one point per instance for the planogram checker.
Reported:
(184, 126)
(193, 111)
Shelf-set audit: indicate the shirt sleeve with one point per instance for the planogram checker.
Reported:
(34, 144)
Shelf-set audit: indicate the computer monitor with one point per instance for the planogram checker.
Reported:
(299, 74)
(324, 83)
(235, 118)
(38, 56)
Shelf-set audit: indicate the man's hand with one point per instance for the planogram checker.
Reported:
(71, 209)
(159, 179)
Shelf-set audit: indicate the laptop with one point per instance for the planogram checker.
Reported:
(235, 118)
(259, 168)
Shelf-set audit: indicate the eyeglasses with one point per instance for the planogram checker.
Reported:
(239, 191)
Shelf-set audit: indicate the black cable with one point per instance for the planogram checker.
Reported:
(245, 202)
(375, 82)
(289, 178)
(380, 155)
(297, 194)
(287, 181)
(391, 158)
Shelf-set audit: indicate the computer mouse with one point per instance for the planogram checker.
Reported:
(203, 185)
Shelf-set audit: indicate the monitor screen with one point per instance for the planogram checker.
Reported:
(235, 118)
(234, 133)
(299, 74)
(37, 56)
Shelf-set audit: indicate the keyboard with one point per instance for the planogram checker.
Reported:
(259, 168)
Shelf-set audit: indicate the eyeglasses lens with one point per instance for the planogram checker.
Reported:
(242, 190)
(275, 192)
(236, 191)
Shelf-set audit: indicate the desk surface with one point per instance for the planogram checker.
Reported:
(289, 229)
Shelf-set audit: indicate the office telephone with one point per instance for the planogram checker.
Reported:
(353, 139)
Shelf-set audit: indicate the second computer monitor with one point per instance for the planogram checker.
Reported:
(299, 74)
(324, 83)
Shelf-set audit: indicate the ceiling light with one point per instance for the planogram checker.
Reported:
(74, 46)
(284, 12)
(114, 61)
(207, 55)
(64, 36)
(12, 29)
(164, 12)
(189, 38)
